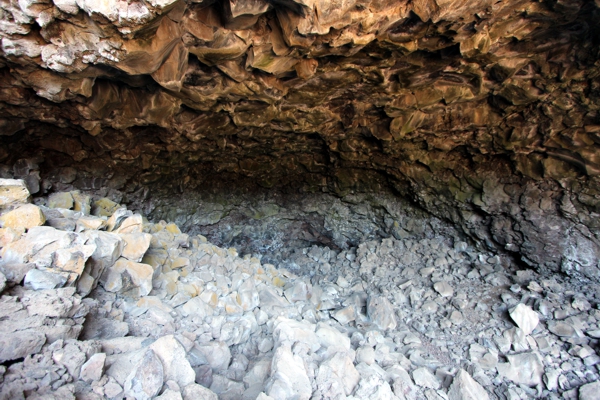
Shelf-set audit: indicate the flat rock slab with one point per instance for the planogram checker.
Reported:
(525, 318)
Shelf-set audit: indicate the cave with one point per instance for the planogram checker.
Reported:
(299, 199)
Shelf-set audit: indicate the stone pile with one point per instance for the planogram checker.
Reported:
(97, 302)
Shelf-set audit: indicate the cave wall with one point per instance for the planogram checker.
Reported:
(484, 113)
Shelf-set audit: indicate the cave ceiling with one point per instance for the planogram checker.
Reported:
(478, 110)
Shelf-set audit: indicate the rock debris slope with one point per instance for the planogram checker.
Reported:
(108, 305)
(483, 112)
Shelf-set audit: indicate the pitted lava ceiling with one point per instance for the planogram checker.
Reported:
(484, 112)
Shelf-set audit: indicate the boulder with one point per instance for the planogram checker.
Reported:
(24, 217)
(13, 191)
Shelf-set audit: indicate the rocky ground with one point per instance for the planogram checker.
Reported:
(97, 302)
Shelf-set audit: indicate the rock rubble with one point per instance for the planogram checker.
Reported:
(110, 305)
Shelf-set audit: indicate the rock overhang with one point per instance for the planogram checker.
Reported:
(484, 113)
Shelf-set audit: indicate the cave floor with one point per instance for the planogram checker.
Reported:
(174, 316)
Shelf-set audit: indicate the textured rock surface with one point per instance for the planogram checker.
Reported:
(484, 113)
(369, 322)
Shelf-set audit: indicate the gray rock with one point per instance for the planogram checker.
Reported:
(36, 279)
(381, 312)
(226, 389)
(146, 379)
(525, 318)
(524, 368)
(103, 328)
(19, 344)
(169, 394)
(591, 391)
(93, 368)
(15, 272)
(217, 354)
(2, 282)
(464, 387)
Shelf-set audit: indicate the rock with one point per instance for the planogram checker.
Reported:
(443, 288)
(373, 383)
(103, 328)
(562, 329)
(196, 307)
(288, 332)
(136, 245)
(365, 354)
(524, 368)
(248, 295)
(331, 339)
(173, 357)
(217, 354)
(525, 318)
(226, 389)
(464, 387)
(13, 191)
(37, 279)
(288, 376)
(337, 376)
(194, 392)
(589, 391)
(146, 378)
(14, 345)
(26, 216)
(424, 378)
(108, 250)
(3, 281)
(93, 368)
(402, 384)
(170, 394)
(60, 200)
(125, 275)
(381, 312)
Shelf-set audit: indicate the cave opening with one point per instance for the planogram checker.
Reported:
(299, 199)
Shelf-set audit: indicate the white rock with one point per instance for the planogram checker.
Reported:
(525, 318)
(331, 339)
(40, 280)
(93, 368)
(381, 312)
(136, 245)
(126, 275)
(443, 288)
(146, 378)
(524, 368)
(196, 307)
(425, 378)
(248, 295)
(337, 376)
(289, 332)
(464, 387)
(288, 376)
(373, 383)
(13, 191)
(194, 391)
(173, 357)
(365, 354)
(402, 384)
(217, 354)
(590, 391)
